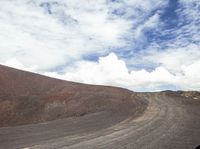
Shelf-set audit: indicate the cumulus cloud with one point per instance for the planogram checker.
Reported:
(110, 70)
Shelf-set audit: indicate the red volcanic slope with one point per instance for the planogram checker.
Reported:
(31, 98)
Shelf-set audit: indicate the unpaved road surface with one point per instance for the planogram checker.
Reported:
(169, 122)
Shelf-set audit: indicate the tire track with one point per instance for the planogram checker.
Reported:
(168, 122)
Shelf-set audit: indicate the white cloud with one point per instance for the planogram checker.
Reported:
(44, 35)
(173, 47)
(151, 23)
(172, 59)
(110, 70)
(49, 34)
(103, 72)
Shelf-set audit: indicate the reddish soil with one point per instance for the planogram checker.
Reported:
(27, 98)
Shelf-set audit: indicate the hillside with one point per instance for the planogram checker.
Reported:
(27, 98)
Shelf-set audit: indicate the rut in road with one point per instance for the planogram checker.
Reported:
(168, 122)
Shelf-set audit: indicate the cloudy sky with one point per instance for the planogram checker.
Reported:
(142, 45)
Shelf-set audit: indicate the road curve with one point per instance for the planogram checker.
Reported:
(169, 122)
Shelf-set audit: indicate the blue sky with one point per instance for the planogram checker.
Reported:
(146, 45)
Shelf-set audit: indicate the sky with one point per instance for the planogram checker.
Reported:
(146, 45)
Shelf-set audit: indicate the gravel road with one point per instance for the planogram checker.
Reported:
(169, 122)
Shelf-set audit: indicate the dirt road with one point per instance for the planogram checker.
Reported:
(169, 122)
